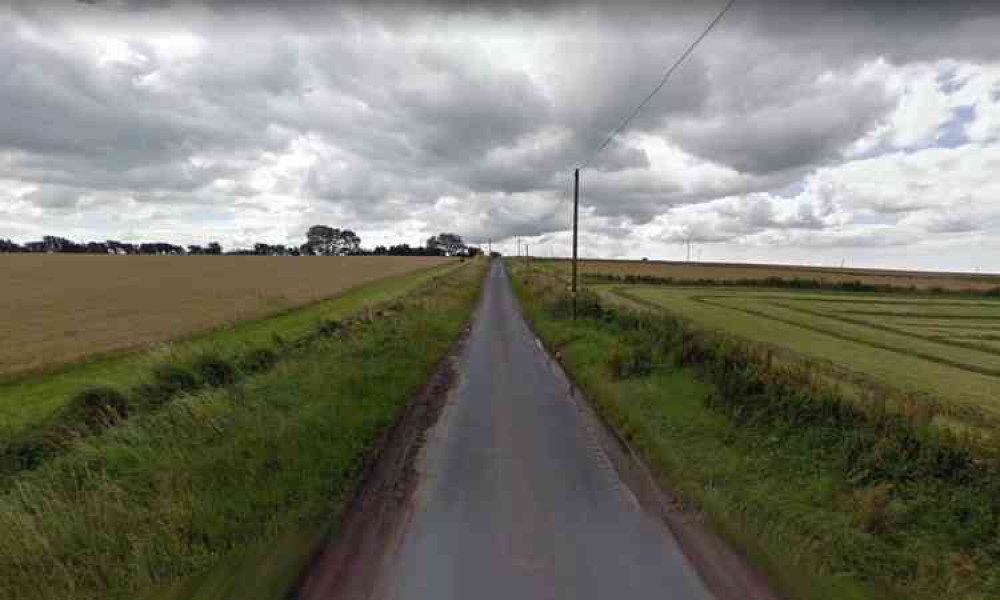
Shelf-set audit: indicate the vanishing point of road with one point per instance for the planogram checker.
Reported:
(515, 499)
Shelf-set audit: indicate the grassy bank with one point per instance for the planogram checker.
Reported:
(31, 397)
(212, 477)
(829, 498)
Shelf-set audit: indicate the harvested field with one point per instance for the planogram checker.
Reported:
(59, 308)
(736, 272)
(942, 348)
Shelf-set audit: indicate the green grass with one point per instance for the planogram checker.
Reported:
(203, 497)
(911, 362)
(32, 397)
(821, 522)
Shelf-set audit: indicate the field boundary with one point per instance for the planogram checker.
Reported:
(793, 283)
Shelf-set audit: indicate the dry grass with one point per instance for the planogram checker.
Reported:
(726, 271)
(59, 308)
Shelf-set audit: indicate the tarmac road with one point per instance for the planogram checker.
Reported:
(516, 499)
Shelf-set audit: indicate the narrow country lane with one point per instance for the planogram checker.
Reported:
(515, 498)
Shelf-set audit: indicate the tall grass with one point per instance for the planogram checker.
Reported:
(171, 492)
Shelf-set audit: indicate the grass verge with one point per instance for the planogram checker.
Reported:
(222, 475)
(831, 500)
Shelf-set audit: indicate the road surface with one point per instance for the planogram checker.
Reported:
(510, 496)
(516, 499)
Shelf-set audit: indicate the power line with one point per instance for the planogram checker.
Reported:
(663, 81)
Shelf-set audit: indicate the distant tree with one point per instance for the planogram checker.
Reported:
(195, 249)
(400, 250)
(269, 249)
(348, 243)
(380, 251)
(96, 248)
(160, 248)
(52, 243)
(330, 241)
(449, 244)
(319, 240)
(407, 250)
(7, 246)
(214, 248)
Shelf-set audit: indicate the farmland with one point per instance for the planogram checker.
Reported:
(719, 272)
(934, 337)
(27, 397)
(59, 308)
(944, 348)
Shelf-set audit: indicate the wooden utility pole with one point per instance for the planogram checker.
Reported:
(576, 215)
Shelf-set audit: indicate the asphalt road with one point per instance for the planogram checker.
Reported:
(516, 499)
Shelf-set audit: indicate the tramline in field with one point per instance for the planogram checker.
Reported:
(946, 348)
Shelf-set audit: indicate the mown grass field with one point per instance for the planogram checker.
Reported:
(833, 498)
(29, 397)
(940, 348)
(742, 272)
(57, 308)
(222, 487)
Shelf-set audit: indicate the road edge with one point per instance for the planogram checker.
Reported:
(346, 563)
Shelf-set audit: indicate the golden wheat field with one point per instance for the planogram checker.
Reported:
(56, 308)
(728, 271)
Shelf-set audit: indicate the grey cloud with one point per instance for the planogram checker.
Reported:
(802, 130)
(402, 116)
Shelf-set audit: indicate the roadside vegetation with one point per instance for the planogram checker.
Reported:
(169, 487)
(835, 496)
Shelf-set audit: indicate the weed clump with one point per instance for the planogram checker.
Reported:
(97, 408)
(328, 327)
(214, 370)
(588, 305)
(258, 360)
(168, 380)
(88, 412)
(626, 361)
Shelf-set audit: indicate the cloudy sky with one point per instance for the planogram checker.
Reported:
(817, 131)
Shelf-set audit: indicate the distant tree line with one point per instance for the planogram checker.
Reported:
(321, 240)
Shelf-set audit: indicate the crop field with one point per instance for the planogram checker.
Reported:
(736, 272)
(62, 307)
(944, 347)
